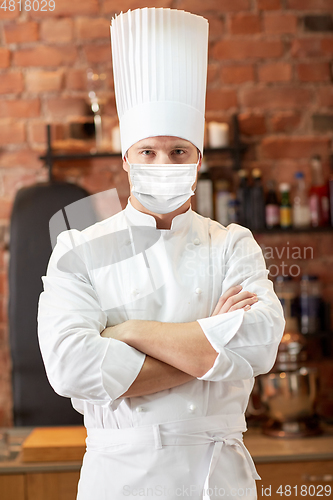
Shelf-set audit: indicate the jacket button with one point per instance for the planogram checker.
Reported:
(196, 241)
(198, 291)
(191, 408)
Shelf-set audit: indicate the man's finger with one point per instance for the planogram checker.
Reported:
(222, 300)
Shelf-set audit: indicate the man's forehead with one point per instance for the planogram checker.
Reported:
(162, 141)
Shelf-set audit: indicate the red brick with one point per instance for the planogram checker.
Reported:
(37, 132)
(57, 30)
(275, 72)
(237, 74)
(5, 212)
(277, 23)
(21, 32)
(212, 73)
(69, 8)
(76, 79)
(45, 56)
(11, 83)
(21, 158)
(218, 99)
(276, 97)
(306, 47)
(8, 15)
(294, 147)
(66, 107)
(216, 26)
(251, 124)
(11, 132)
(325, 96)
(4, 58)
(23, 108)
(44, 81)
(314, 72)
(327, 45)
(269, 4)
(14, 180)
(113, 6)
(247, 49)
(90, 29)
(98, 54)
(326, 5)
(244, 24)
(285, 121)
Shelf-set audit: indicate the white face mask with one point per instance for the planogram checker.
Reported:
(162, 188)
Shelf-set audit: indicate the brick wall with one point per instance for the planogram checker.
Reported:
(270, 61)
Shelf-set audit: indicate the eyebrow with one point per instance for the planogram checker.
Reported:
(149, 146)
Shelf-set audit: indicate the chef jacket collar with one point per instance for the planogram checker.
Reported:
(138, 218)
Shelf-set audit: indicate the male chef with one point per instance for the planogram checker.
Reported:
(156, 320)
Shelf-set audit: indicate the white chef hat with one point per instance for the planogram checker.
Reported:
(160, 72)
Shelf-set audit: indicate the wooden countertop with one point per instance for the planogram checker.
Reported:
(263, 449)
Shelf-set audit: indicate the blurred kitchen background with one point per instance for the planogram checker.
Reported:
(269, 147)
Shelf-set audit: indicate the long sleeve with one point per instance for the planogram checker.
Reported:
(79, 362)
(246, 342)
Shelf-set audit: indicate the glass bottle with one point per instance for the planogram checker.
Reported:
(319, 203)
(257, 215)
(310, 304)
(272, 209)
(330, 187)
(204, 192)
(285, 206)
(300, 206)
(243, 198)
(222, 198)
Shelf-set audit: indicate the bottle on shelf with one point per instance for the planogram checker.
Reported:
(285, 206)
(330, 188)
(319, 202)
(243, 198)
(222, 198)
(272, 209)
(300, 206)
(310, 304)
(233, 209)
(204, 192)
(257, 213)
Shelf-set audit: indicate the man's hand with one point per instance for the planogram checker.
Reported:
(234, 299)
(116, 332)
(231, 300)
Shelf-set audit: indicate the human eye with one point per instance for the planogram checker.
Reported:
(146, 152)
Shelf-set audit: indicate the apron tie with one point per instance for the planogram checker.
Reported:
(218, 445)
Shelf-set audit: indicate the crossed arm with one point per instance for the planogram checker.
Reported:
(176, 352)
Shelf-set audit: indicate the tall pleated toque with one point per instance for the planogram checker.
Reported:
(160, 73)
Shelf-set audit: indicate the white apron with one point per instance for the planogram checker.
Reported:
(201, 458)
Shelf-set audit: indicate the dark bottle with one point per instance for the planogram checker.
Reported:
(243, 198)
(257, 213)
(330, 187)
(204, 192)
(310, 304)
(272, 210)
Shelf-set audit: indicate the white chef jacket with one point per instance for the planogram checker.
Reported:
(124, 268)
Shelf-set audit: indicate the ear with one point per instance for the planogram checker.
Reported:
(125, 164)
(200, 162)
